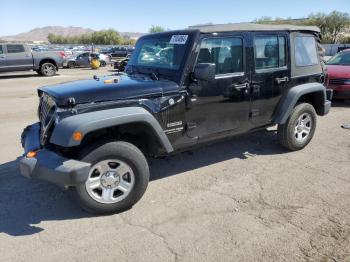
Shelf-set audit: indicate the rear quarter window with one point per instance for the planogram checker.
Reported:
(305, 51)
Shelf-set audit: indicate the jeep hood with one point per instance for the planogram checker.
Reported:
(109, 88)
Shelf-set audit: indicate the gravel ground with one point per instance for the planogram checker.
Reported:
(246, 199)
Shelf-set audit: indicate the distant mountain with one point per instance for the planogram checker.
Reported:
(133, 35)
(40, 34)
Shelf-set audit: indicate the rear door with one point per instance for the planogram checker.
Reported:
(2, 59)
(222, 105)
(270, 74)
(18, 58)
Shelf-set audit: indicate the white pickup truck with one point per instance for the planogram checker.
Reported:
(20, 57)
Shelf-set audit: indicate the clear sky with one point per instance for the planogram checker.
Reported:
(137, 16)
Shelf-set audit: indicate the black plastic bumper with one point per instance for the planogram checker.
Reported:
(48, 165)
(328, 103)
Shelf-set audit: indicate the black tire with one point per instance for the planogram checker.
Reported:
(129, 154)
(103, 63)
(48, 69)
(71, 65)
(287, 132)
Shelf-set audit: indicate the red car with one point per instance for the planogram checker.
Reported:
(338, 74)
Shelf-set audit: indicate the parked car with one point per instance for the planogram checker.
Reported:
(121, 64)
(338, 74)
(220, 81)
(20, 57)
(120, 51)
(84, 59)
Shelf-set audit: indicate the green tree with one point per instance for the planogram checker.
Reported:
(331, 25)
(104, 37)
(156, 29)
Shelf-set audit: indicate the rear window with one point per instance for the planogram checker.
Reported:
(15, 48)
(305, 51)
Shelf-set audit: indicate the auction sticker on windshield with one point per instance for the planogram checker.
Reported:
(178, 39)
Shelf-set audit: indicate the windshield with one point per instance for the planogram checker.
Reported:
(340, 59)
(160, 51)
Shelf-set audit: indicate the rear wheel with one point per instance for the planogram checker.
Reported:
(71, 64)
(299, 129)
(117, 179)
(48, 69)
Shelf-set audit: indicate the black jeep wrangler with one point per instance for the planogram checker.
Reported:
(180, 88)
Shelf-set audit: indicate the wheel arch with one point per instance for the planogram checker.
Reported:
(132, 124)
(312, 93)
(48, 60)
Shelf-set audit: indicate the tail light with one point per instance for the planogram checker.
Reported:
(62, 54)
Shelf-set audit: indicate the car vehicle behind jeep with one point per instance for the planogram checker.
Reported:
(84, 60)
(19, 57)
(338, 75)
(180, 89)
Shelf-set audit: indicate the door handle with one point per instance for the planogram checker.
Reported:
(2, 56)
(27, 55)
(241, 86)
(280, 80)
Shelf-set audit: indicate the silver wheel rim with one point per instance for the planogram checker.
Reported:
(49, 69)
(303, 127)
(110, 181)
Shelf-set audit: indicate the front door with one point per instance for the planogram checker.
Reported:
(222, 105)
(270, 74)
(18, 58)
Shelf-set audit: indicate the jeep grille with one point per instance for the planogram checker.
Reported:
(339, 81)
(47, 113)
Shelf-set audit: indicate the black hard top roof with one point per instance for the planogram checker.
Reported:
(252, 27)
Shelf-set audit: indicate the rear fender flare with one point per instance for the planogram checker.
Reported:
(290, 99)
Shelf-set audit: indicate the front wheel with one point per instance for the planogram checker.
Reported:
(299, 129)
(117, 179)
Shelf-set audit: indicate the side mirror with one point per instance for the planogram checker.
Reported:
(205, 71)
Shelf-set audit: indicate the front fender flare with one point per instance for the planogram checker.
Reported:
(92, 121)
(290, 99)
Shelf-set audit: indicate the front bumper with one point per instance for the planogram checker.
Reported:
(48, 165)
(341, 91)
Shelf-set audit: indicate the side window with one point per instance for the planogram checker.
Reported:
(15, 49)
(1, 52)
(270, 52)
(226, 53)
(282, 51)
(305, 51)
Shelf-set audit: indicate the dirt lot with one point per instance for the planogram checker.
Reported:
(246, 199)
